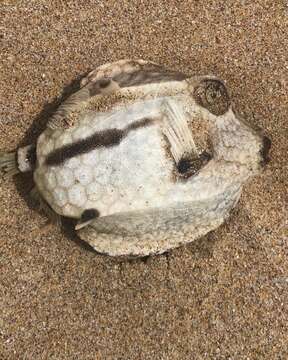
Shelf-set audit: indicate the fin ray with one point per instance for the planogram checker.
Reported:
(177, 130)
(8, 164)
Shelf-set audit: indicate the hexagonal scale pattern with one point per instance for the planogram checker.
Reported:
(107, 179)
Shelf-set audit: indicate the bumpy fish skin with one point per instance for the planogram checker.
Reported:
(108, 178)
(116, 147)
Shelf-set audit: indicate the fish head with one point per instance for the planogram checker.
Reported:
(233, 138)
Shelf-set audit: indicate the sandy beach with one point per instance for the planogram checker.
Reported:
(222, 297)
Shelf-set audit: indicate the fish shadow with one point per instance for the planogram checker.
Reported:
(24, 182)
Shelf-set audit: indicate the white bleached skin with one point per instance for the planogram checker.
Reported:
(136, 174)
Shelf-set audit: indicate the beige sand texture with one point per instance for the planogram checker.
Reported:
(223, 297)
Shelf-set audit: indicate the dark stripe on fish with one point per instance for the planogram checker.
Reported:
(105, 138)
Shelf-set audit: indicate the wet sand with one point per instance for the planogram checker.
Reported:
(222, 297)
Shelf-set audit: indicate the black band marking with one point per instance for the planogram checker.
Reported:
(105, 138)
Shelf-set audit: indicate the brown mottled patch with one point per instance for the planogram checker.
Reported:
(96, 87)
(144, 76)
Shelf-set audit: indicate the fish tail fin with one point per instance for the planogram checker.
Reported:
(8, 164)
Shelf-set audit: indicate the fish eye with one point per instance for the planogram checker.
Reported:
(213, 96)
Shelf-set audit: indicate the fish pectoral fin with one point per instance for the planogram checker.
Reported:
(176, 129)
(62, 118)
(66, 114)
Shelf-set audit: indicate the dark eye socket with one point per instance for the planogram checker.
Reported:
(213, 92)
(213, 96)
